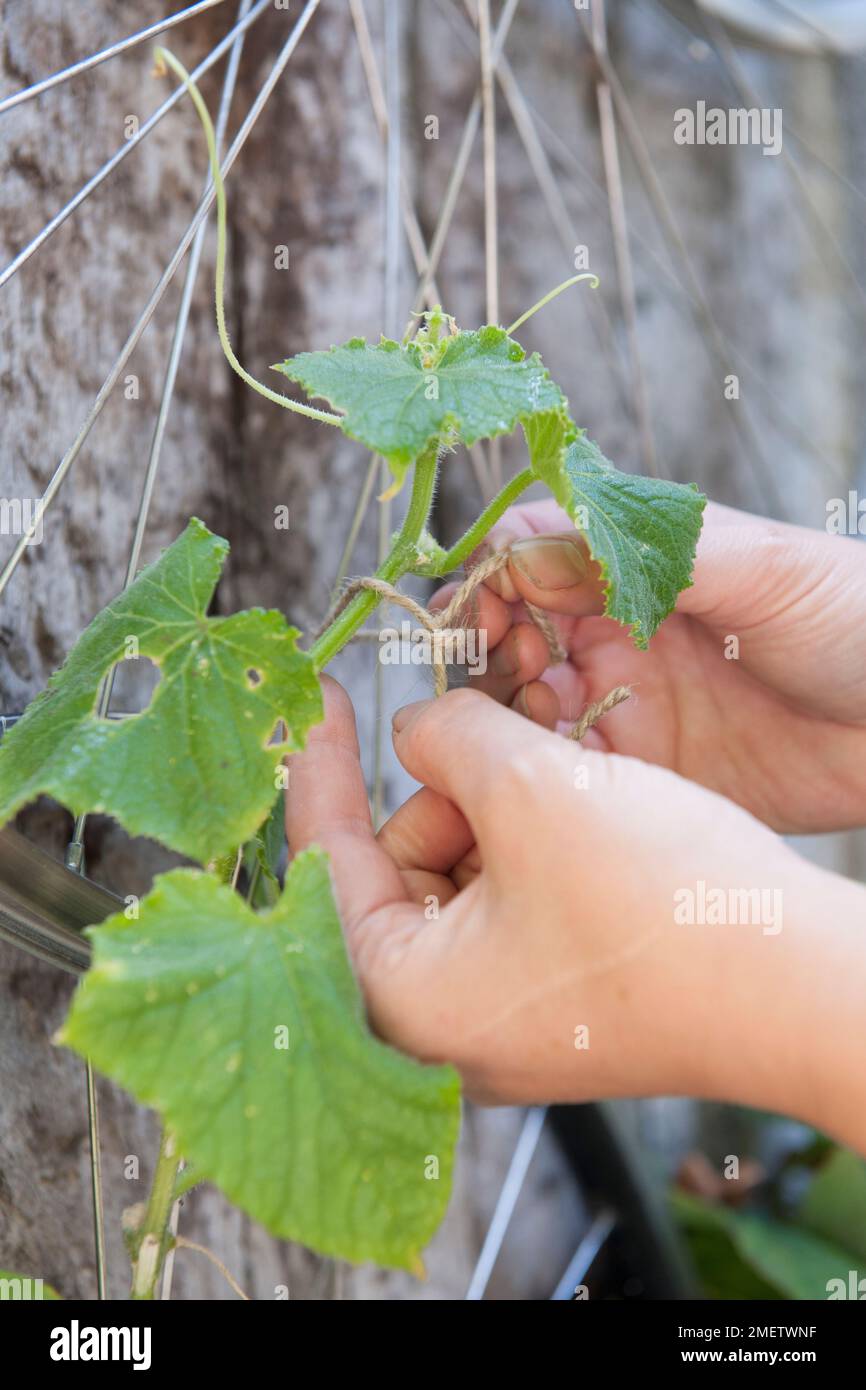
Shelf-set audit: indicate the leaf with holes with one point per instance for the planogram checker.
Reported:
(642, 532)
(399, 399)
(196, 769)
(246, 1032)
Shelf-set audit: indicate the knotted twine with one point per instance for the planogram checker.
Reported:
(444, 621)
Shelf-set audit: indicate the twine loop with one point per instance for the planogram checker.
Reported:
(446, 621)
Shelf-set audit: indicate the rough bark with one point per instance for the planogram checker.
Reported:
(311, 178)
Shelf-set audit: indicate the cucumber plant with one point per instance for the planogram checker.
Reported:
(236, 1016)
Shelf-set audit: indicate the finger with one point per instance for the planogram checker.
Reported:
(484, 611)
(518, 524)
(543, 518)
(326, 804)
(557, 574)
(740, 558)
(460, 745)
(522, 656)
(427, 832)
(539, 702)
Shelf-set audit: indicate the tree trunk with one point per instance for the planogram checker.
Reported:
(311, 179)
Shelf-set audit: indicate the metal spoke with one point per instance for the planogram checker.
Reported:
(411, 226)
(714, 341)
(393, 165)
(182, 319)
(485, 471)
(417, 246)
(507, 1201)
(101, 174)
(525, 122)
(776, 411)
(584, 1256)
(168, 274)
(112, 51)
(823, 234)
(96, 1181)
(622, 253)
(75, 848)
(488, 134)
(491, 215)
(807, 22)
(44, 907)
(674, 21)
(458, 173)
(358, 515)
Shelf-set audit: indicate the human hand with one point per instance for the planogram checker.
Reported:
(775, 720)
(553, 871)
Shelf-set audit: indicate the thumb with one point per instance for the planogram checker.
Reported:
(326, 804)
(553, 572)
(471, 749)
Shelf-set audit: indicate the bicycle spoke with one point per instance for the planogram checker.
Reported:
(525, 122)
(622, 253)
(420, 256)
(168, 274)
(458, 173)
(714, 340)
(393, 152)
(376, 92)
(823, 234)
(507, 1201)
(75, 848)
(128, 146)
(85, 64)
(96, 1182)
(582, 1260)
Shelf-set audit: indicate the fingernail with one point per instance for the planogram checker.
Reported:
(549, 562)
(498, 581)
(505, 660)
(402, 716)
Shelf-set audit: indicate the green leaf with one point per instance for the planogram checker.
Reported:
(778, 1257)
(327, 1141)
(262, 856)
(642, 532)
(25, 1288)
(399, 399)
(196, 769)
(834, 1206)
(429, 555)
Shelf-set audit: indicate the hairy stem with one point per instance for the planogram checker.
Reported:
(152, 1246)
(545, 299)
(163, 59)
(454, 558)
(401, 558)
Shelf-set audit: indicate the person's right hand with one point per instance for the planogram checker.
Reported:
(775, 719)
(527, 915)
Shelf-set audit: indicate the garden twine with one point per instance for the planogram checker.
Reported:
(446, 619)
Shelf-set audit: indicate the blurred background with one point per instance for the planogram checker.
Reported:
(724, 347)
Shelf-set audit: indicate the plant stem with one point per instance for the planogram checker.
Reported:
(401, 557)
(165, 58)
(151, 1249)
(545, 299)
(453, 558)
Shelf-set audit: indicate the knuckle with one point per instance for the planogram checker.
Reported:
(444, 716)
(526, 778)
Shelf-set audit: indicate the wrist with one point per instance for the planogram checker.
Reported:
(787, 1005)
(829, 1032)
